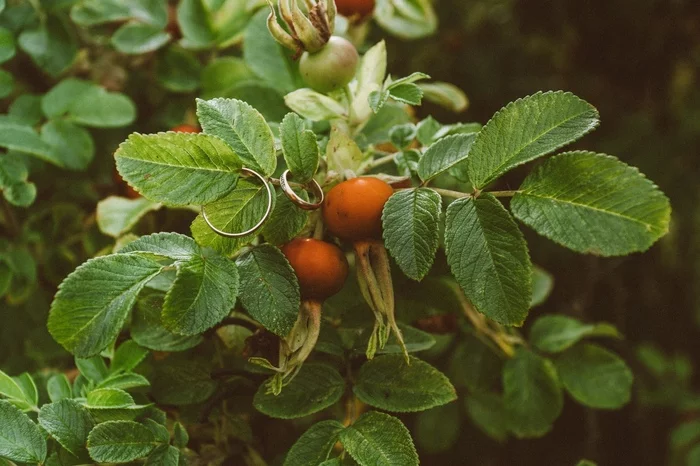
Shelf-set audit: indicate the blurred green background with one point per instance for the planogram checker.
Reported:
(638, 62)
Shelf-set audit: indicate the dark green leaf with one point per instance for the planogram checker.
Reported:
(127, 357)
(195, 24)
(50, 44)
(437, 429)
(314, 446)
(68, 423)
(94, 369)
(181, 381)
(445, 154)
(20, 439)
(475, 365)
(120, 442)
(555, 333)
(71, 144)
(147, 328)
(487, 412)
(179, 70)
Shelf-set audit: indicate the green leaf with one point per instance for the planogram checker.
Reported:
(593, 203)
(137, 38)
(408, 93)
(108, 398)
(204, 292)
(124, 381)
(120, 442)
(377, 439)
(118, 215)
(195, 24)
(94, 301)
(127, 357)
(148, 331)
(488, 255)
(58, 388)
(315, 388)
(22, 138)
(342, 152)
(370, 77)
(446, 95)
(532, 396)
(20, 439)
(475, 365)
(178, 168)
(94, 369)
(95, 12)
(243, 128)
(7, 84)
(411, 231)
(50, 44)
(175, 246)
(88, 104)
(269, 289)
(287, 220)
(389, 383)
(7, 45)
(222, 75)
(414, 340)
(527, 129)
(26, 109)
(12, 389)
(71, 145)
(542, 285)
(437, 429)
(487, 412)
(411, 19)
(377, 128)
(179, 70)
(182, 381)
(160, 432)
(444, 154)
(238, 211)
(180, 436)
(68, 423)
(20, 194)
(314, 446)
(299, 147)
(314, 106)
(269, 60)
(595, 376)
(556, 333)
(685, 435)
(164, 455)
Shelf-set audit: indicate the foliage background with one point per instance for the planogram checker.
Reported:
(637, 61)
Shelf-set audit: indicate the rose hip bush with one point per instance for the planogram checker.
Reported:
(346, 271)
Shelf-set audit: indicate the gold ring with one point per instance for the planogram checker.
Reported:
(312, 186)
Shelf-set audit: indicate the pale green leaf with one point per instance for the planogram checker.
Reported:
(124, 381)
(223, 74)
(389, 383)
(532, 397)
(94, 301)
(444, 154)
(595, 376)
(411, 231)
(243, 128)
(370, 76)
(20, 439)
(240, 210)
(178, 168)
(108, 398)
(136, 38)
(93, 369)
(68, 423)
(204, 292)
(445, 94)
(342, 152)
(11, 389)
(414, 340)
(556, 333)
(314, 106)
(58, 388)
(407, 93)
(269, 289)
(488, 255)
(315, 388)
(377, 439)
(120, 442)
(407, 19)
(593, 203)
(21, 194)
(527, 129)
(118, 215)
(314, 446)
(299, 147)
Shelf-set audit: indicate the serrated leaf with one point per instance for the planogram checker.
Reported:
(486, 410)
(377, 99)
(58, 388)
(148, 331)
(532, 396)
(20, 439)
(315, 388)
(407, 93)
(299, 147)
(411, 231)
(137, 38)
(109, 398)
(243, 128)
(269, 289)
(178, 168)
(175, 246)
(204, 292)
(124, 381)
(68, 423)
(314, 106)
(389, 383)
(287, 220)
(488, 255)
(593, 203)
(238, 211)
(314, 446)
(556, 333)
(127, 357)
(527, 129)
(377, 439)
(120, 442)
(118, 215)
(437, 429)
(164, 455)
(445, 154)
(94, 301)
(595, 376)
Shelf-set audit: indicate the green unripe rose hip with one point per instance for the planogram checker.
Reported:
(332, 67)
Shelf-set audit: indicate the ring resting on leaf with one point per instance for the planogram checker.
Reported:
(312, 187)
